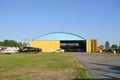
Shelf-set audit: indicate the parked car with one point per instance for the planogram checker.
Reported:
(60, 50)
(118, 50)
(108, 50)
(30, 49)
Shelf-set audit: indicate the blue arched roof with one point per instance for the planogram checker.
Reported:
(60, 36)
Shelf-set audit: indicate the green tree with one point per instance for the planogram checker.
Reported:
(118, 47)
(101, 47)
(114, 46)
(6, 43)
(1, 43)
(20, 45)
(107, 45)
(12, 43)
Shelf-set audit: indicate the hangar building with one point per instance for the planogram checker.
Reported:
(69, 42)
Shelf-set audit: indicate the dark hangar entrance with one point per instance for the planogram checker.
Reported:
(73, 45)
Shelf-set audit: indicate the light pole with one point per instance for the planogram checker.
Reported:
(26, 41)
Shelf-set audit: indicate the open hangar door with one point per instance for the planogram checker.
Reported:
(73, 45)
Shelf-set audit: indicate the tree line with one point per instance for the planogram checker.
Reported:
(12, 43)
(107, 46)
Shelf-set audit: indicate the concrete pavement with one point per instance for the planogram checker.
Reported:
(100, 66)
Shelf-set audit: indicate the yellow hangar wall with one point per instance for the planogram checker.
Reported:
(46, 45)
(88, 46)
(91, 45)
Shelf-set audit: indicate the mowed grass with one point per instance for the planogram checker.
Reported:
(43, 66)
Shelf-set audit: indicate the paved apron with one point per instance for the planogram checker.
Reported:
(100, 66)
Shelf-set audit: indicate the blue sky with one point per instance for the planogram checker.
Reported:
(91, 19)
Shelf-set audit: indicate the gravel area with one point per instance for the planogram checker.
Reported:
(100, 66)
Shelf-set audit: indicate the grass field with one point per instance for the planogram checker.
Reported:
(43, 66)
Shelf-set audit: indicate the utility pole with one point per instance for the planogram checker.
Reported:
(119, 45)
(26, 41)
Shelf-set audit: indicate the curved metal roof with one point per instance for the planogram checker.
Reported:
(60, 36)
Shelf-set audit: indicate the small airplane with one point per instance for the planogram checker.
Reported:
(9, 50)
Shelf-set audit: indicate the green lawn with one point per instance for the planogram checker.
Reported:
(43, 66)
